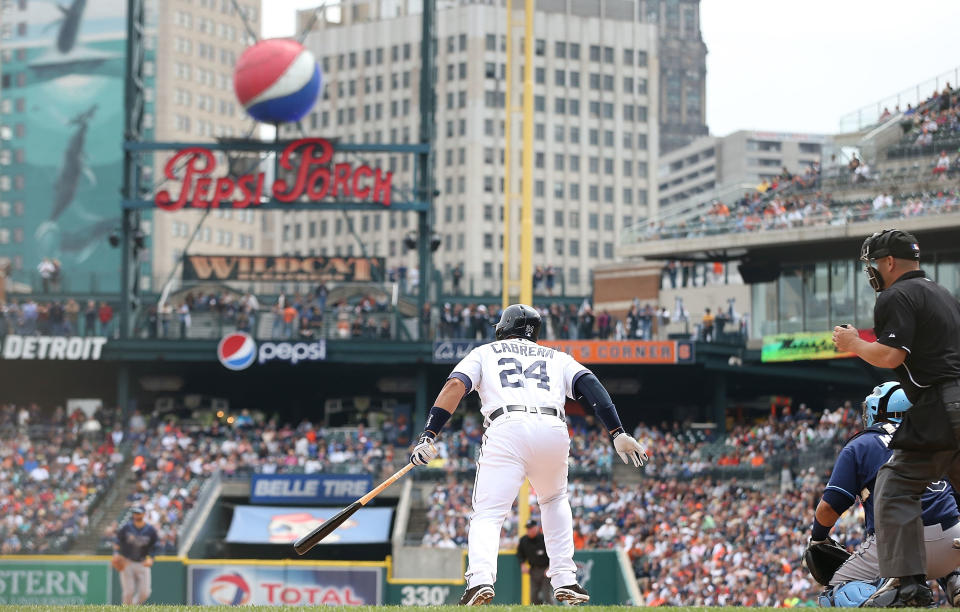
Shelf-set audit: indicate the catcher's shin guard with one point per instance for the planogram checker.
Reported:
(847, 595)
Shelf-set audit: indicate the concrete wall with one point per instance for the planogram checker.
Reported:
(616, 286)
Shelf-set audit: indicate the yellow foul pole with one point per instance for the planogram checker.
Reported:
(508, 187)
(526, 233)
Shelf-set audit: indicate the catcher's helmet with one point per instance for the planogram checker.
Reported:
(888, 402)
(519, 321)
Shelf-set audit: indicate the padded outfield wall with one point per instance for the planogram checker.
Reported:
(65, 579)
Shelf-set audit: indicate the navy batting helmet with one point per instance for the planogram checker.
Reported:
(519, 321)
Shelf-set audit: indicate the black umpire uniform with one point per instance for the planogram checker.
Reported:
(922, 320)
(532, 550)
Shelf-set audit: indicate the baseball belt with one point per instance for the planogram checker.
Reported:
(534, 409)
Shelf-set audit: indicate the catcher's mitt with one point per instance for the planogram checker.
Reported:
(824, 558)
(118, 563)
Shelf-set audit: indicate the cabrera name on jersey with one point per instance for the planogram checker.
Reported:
(517, 371)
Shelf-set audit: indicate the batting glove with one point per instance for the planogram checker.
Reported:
(425, 451)
(628, 447)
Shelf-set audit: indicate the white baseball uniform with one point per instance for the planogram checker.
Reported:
(518, 445)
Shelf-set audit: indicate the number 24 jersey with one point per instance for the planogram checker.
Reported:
(517, 371)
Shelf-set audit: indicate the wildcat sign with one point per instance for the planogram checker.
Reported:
(308, 162)
(272, 269)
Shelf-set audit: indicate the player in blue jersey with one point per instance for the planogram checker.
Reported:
(854, 476)
(133, 557)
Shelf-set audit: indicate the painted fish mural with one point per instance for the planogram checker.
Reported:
(69, 25)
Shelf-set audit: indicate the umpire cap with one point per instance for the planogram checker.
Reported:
(519, 321)
(899, 244)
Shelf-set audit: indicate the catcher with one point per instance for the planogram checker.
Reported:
(853, 578)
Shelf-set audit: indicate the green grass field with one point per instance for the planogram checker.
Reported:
(492, 608)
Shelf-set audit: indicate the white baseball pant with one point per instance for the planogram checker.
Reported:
(520, 445)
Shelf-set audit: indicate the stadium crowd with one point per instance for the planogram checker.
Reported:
(54, 467)
(818, 209)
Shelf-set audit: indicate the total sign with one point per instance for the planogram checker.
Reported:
(238, 351)
(262, 585)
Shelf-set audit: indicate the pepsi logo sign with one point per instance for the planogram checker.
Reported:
(230, 590)
(237, 351)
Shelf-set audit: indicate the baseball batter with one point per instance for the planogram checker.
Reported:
(523, 388)
(854, 476)
(133, 557)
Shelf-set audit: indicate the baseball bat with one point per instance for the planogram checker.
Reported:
(305, 543)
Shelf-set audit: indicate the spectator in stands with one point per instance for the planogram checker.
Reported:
(289, 318)
(603, 325)
(706, 326)
(183, 313)
(942, 166)
(105, 315)
(587, 320)
(457, 275)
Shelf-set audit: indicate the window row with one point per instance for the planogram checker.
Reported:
(570, 50)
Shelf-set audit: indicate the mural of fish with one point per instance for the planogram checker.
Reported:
(69, 25)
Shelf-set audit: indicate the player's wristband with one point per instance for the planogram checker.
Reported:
(819, 532)
(437, 418)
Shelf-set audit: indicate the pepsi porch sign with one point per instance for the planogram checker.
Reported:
(238, 351)
(312, 489)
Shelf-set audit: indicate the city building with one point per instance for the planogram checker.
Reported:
(595, 133)
(743, 158)
(197, 45)
(683, 70)
(61, 129)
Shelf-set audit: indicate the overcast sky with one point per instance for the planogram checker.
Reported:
(793, 66)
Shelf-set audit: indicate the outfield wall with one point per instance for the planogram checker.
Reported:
(62, 580)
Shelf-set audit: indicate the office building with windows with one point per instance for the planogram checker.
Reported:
(595, 133)
(197, 45)
(742, 159)
(683, 70)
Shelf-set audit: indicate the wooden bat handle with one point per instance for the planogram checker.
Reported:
(386, 483)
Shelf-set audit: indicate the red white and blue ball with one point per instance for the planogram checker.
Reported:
(237, 351)
(277, 80)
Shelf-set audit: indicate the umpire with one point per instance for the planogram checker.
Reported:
(917, 324)
(532, 554)
(133, 557)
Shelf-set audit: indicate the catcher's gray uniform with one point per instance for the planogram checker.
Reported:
(942, 557)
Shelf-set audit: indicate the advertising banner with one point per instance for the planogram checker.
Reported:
(272, 585)
(52, 583)
(283, 525)
(588, 351)
(238, 351)
(310, 175)
(276, 269)
(74, 348)
(799, 346)
(61, 182)
(315, 489)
